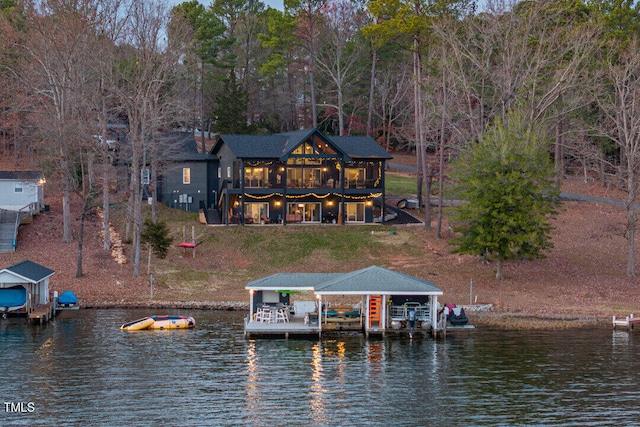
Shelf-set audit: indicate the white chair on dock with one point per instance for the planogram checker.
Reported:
(282, 315)
(267, 315)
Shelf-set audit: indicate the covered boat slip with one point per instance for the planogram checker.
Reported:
(24, 289)
(385, 299)
(13, 298)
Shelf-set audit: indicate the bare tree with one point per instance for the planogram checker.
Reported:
(337, 54)
(620, 107)
(522, 56)
(146, 95)
(58, 72)
(308, 13)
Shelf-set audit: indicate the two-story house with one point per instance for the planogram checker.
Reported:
(300, 177)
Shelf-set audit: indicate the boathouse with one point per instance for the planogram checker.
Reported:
(24, 289)
(310, 303)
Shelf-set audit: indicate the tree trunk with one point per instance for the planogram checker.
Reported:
(129, 218)
(67, 235)
(441, 158)
(312, 79)
(558, 154)
(372, 83)
(631, 219)
(148, 259)
(499, 275)
(80, 241)
(105, 210)
(105, 181)
(154, 191)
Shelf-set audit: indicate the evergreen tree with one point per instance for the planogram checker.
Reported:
(157, 236)
(230, 114)
(506, 182)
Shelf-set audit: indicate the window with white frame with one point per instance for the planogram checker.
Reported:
(186, 175)
(145, 176)
(18, 188)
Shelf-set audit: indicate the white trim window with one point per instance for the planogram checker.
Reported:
(186, 175)
(18, 188)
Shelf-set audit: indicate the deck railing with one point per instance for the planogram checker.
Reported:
(23, 212)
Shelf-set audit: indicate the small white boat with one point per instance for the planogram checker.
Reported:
(160, 322)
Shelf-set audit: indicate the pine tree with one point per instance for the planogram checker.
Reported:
(157, 236)
(506, 182)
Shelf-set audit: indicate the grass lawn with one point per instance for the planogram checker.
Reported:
(398, 185)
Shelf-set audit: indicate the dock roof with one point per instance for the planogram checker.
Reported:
(291, 281)
(29, 271)
(367, 281)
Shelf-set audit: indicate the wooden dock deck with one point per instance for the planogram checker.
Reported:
(296, 326)
(627, 322)
(42, 313)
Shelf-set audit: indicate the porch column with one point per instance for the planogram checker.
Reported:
(433, 316)
(251, 305)
(383, 320)
(284, 196)
(242, 192)
(342, 212)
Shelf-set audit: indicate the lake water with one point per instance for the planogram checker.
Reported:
(81, 370)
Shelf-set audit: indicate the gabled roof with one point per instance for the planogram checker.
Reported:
(291, 281)
(360, 147)
(21, 175)
(367, 281)
(253, 146)
(29, 271)
(377, 280)
(181, 146)
(280, 145)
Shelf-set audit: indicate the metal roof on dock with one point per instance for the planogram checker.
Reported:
(370, 280)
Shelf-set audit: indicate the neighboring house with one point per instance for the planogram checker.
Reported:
(187, 179)
(22, 190)
(24, 287)
(300, 177)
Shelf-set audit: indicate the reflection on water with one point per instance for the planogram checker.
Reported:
(82, 370)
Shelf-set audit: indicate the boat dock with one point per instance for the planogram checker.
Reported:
(627, 322)
(42, 314)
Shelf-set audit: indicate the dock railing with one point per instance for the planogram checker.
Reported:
(401, 312)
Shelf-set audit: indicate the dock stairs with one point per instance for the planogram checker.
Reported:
(9, 229)
(8, 232)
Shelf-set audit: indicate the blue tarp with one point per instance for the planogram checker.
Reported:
(13, 297)
(67, 297)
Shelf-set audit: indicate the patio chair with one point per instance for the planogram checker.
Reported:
(281, 315)
(267, 315)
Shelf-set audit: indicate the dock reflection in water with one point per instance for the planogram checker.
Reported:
(82, 370)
